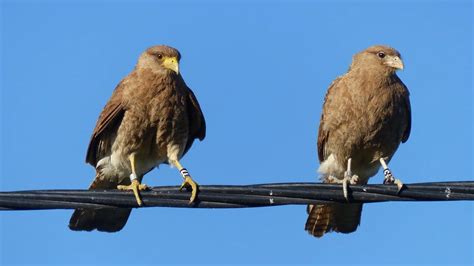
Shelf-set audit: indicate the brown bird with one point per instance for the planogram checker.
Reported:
(366, 114)
(151, 118)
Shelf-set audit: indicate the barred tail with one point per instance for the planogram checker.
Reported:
(337, 217)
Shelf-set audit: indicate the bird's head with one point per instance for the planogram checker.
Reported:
(161, 59)
(379, 57)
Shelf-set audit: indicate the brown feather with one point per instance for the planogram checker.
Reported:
(335, 217)
(197, 123)
(322, 132)
(151, 115)
(106, 126)
(407, 107)
(107, 219)
(366, 115)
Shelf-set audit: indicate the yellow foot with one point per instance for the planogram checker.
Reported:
(135, 186)
(189, 183)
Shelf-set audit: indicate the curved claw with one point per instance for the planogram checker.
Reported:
(345, 188)
(348, 180)
(189, 183)
(135, 186)
(390, 179)
(399, 184)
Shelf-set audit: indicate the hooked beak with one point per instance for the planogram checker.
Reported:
(171, 63)
(394, 61)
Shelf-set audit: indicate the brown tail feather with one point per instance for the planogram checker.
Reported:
(106, 220)
(337, 217)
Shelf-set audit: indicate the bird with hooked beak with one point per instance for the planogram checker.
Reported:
(151, 118)
(366, 115)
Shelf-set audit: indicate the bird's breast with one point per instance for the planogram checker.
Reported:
(365, 126)
(154, 127)
(167, 112)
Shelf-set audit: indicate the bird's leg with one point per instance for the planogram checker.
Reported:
(135, 185)
(348, 179)
(188, 181)
(388, 177)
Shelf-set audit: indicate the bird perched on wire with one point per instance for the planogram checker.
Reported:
(151, 118)
(366, 115)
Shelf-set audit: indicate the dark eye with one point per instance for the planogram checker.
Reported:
(160, 56)
(381, 54)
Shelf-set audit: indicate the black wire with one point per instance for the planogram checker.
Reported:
(221, 196)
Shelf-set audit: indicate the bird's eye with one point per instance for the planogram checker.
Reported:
(381, 54)
(160, 56)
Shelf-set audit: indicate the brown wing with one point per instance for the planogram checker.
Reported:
(322, 133)
(105, 129)
(197, 124)
(407, 107)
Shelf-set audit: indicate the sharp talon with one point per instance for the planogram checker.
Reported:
(399, 185)
(137, 196)
(390, 179)
(345, 188)
(189, 183)
(349, 179)
(193, 194)
(135, 186)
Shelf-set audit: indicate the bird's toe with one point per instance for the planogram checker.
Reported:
(190, 184)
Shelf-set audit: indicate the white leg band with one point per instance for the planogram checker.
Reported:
(184, 172)
(133, 176)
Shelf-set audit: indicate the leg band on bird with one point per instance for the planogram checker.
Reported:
(135, 185)
(388, 176)
(184, 172)
(188, 181)
(386, 172)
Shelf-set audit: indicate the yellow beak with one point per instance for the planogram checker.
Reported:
(171, 63)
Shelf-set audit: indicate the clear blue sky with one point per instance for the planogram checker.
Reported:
(260, 71)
